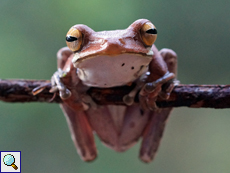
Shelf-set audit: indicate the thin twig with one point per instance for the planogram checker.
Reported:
(208, 96)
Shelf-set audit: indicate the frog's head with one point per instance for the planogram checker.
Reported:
(112, 58)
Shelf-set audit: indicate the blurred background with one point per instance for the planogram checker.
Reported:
(195, 140)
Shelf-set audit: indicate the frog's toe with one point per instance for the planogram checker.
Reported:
(150, 87)
(65, 94)
(143, 104)
(147, 103)
(152, 104)
(53, 89)
(39, 89)
(167, 88)
(128, 100)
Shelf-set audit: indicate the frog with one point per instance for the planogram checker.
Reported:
(108, 59)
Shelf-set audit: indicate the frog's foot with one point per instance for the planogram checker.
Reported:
(148, 101)
(57, 84)
(151, 86)
(167, 88)
(149, 93)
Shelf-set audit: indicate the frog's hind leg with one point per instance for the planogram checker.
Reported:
(155, 128)
(81, 133)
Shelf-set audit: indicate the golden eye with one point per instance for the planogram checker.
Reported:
(74, 39)
(148, 34)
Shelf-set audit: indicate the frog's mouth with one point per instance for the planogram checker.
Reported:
(109, 71)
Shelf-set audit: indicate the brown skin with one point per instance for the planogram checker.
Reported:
(157, 66)
(126, 40)
(119, 127)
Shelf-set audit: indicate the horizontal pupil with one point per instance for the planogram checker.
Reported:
(152, 31)
(71, 39)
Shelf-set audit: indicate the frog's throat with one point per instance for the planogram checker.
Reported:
(77, 58)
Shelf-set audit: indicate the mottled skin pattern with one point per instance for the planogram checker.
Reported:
(118, 127)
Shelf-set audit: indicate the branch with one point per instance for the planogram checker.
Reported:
(209, 96)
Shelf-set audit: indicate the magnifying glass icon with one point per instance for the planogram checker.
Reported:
(9, 160)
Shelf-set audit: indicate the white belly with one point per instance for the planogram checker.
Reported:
(109, 71)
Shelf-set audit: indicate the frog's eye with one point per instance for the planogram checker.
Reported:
(148, 34)
(74, 39)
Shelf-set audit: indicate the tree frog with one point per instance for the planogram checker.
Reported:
(108, 59)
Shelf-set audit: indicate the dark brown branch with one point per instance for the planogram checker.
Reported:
(21, 91)
(209, 96)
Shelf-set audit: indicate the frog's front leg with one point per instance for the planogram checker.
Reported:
(155, 128)
(63, 56)
(70, 88)
(157, 79)
(159, 82)
(67, 74)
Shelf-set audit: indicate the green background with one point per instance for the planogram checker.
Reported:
(195, 140)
